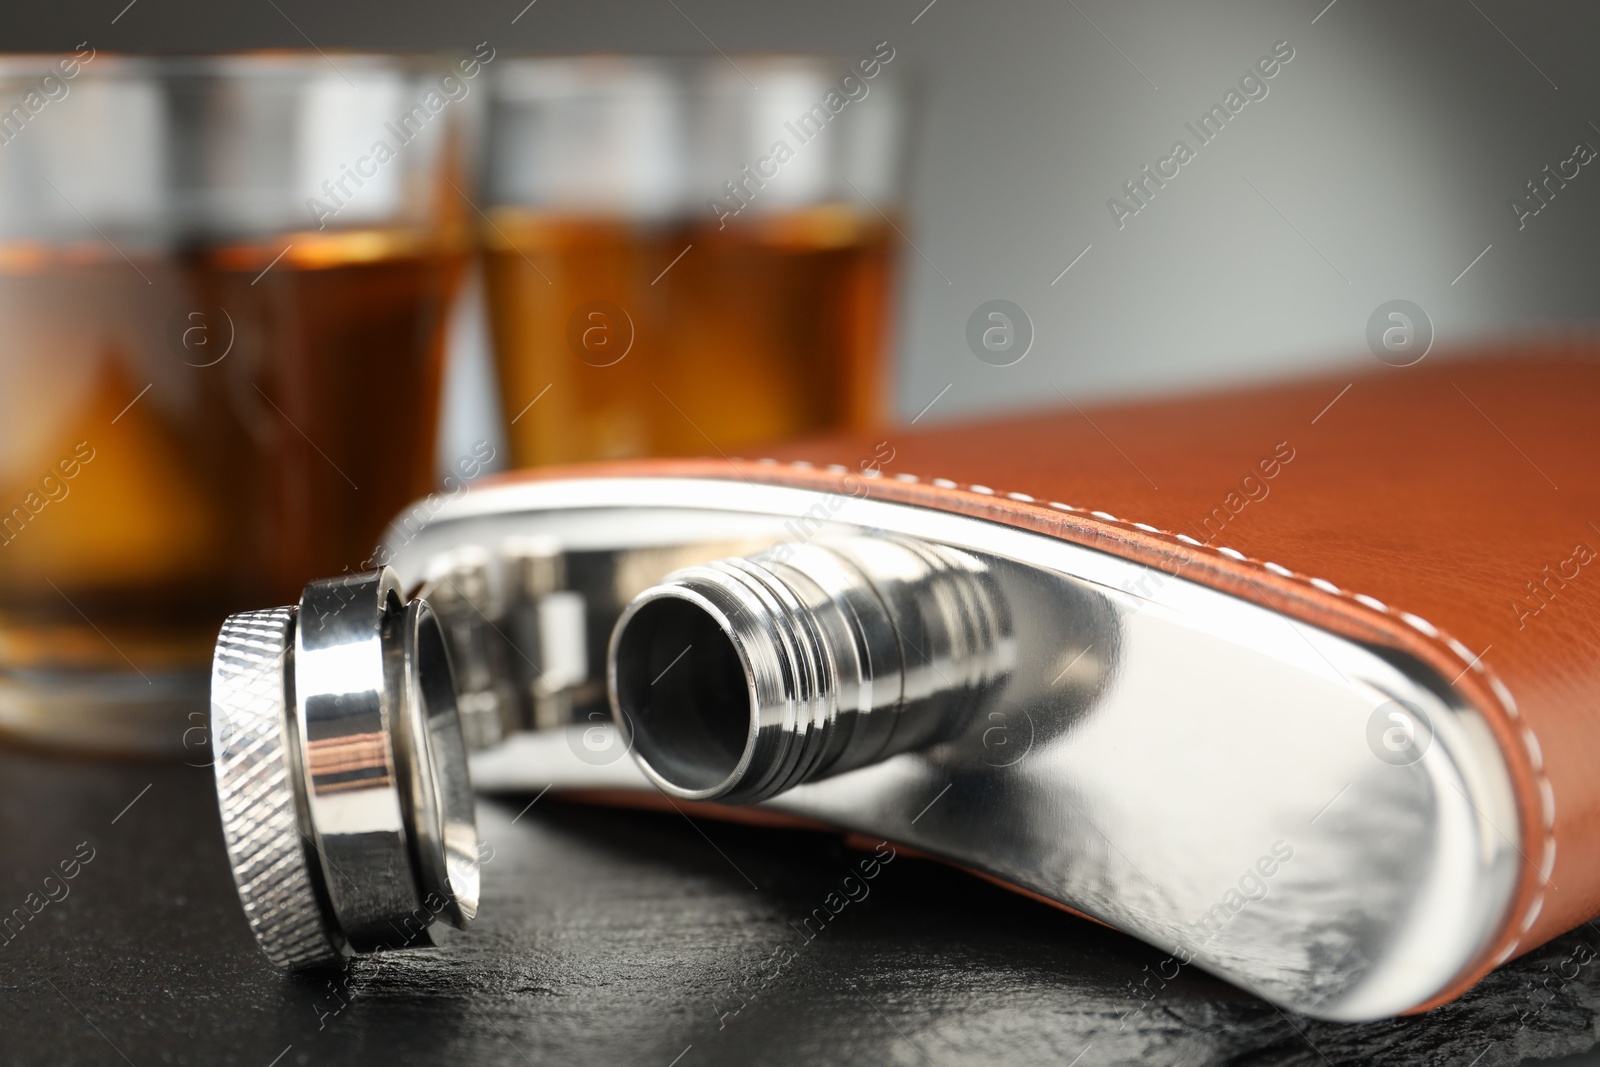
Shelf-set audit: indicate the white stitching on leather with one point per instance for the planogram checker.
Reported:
(1503, 693)
(1535, 753)
(1421, 625)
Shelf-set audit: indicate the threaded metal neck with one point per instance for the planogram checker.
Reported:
(740, 679)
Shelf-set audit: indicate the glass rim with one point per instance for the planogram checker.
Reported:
(686, 56)
(822, 60)
(226, 63)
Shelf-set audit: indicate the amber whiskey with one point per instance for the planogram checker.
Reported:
(621, 338)
(199, 432)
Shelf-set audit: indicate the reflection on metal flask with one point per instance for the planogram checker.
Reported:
(341, 773)
(739, 679)
(458, 588)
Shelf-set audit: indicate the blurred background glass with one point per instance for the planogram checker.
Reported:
(677, 262)
(224, 284)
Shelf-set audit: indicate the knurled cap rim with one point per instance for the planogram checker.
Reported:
(256, 789)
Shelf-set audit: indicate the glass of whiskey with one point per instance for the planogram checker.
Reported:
(225, 282)
(681, 263)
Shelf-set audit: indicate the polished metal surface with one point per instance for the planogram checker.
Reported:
(457, 588)
(1189, 767)
(342, 774)
(739, 679)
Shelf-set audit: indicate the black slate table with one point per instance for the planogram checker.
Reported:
(611, 937)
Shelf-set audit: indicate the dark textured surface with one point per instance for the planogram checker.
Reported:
(619, 938)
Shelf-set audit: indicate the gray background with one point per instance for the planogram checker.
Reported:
(1378, 167)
